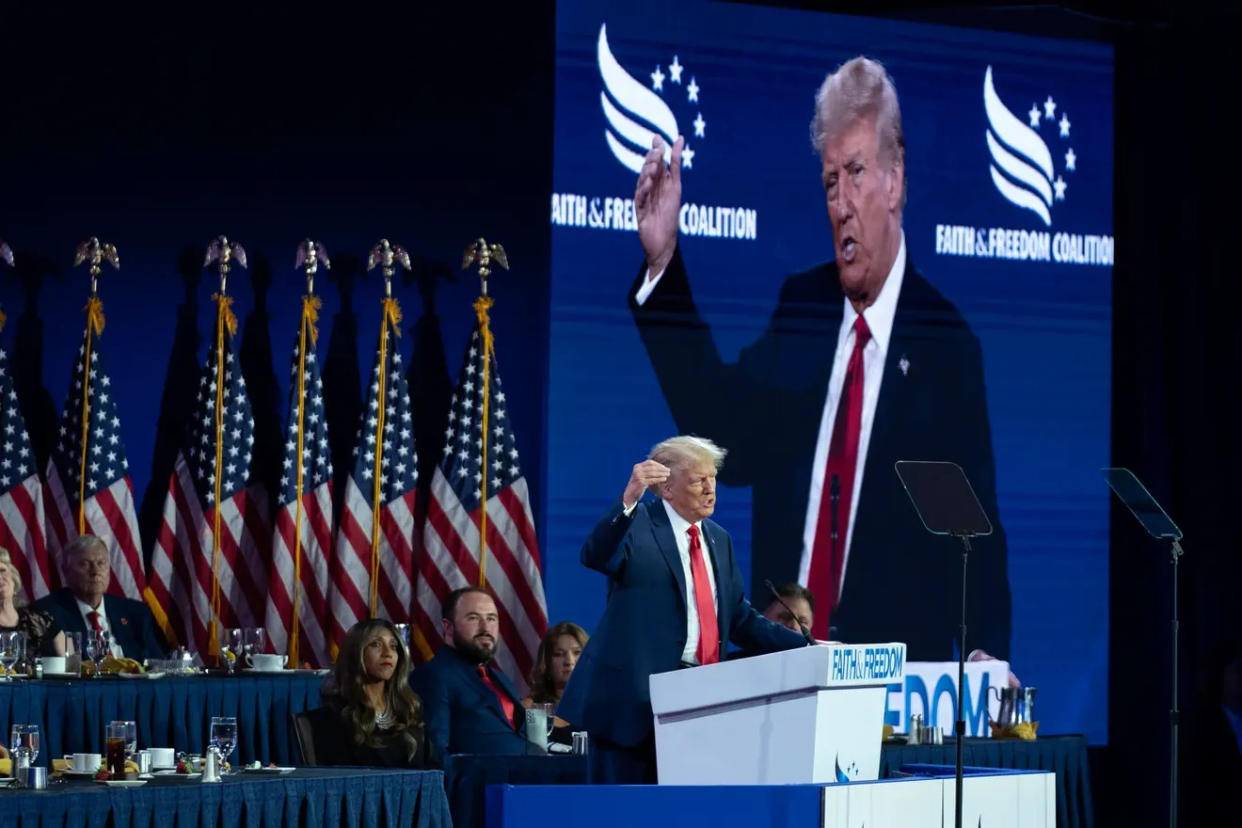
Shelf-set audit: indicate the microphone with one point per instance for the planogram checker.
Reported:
(810, 639)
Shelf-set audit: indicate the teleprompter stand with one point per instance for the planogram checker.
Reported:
(947, 505)
(1160, 526)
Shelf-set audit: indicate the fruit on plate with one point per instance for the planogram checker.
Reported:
(113, 665)
(103, 775)
(183, 767)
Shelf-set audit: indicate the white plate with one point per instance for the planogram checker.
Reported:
(173, 775)
(268, 771)
(122, 783)
(83, 774)
(6, 780)
(154, 675)
(266, 672)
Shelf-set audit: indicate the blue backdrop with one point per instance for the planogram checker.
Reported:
(1019, 237)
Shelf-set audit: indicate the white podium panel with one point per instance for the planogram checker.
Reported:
(801, 716)
(1006, 799)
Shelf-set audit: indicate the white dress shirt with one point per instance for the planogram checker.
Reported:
(879, 319)
(880, 322)
(681, 534)
(86, 609)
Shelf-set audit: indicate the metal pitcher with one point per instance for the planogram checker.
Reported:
(1017, 705)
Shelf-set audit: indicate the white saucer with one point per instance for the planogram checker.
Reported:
(266, 672)
(122, 783)
(83, 774)
(153, 675)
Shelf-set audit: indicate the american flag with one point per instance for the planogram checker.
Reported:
(105, 489)
(308, 528)
(454, 517)
(21, 494)
(181, 591)
(384, 445)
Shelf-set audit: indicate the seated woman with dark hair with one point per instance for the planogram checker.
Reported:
(554, 663)
(370, 716)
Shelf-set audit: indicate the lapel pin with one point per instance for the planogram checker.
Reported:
(904, 365)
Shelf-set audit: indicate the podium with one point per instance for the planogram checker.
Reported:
(811, 715)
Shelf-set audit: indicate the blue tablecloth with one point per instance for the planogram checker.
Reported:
(466, 777)
(306, 797)
(1066, 755)
(170, 712)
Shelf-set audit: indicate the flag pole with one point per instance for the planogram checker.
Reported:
(310, 254)
(481, 253)
(223, 251)
(96, 253)
(387, 256)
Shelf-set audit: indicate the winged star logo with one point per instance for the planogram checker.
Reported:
(1021, 161)
(635, 114)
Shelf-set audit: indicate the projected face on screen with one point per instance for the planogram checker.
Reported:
(979, 257)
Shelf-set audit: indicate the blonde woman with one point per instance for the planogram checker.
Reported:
(43, 634)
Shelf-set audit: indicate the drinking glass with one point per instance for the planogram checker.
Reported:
(549, 712)
(223, 735)
(10, 652)
(73, 652)
(95, 648)
(254, 641)
(130, 730)
(232, 647)
(115, 746)
(25, 740)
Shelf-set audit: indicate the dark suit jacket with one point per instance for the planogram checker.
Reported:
(132, 624)
(462, 713)
(643, 630)
(901, 583)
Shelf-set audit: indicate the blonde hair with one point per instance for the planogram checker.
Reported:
(7, 560)
(687, 450)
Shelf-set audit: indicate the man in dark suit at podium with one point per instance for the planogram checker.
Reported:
(85, 605)
(864, 363)
(675, 597)
(470, 706)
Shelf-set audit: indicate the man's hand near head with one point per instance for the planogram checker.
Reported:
(645, 475)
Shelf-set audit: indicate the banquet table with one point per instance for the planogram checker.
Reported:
(171, 711)
(304, 797)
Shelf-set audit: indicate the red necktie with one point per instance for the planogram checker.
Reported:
(708, 651)
(506, 703)
(94, 619)
(827, 556)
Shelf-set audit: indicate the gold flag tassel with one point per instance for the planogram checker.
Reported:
(388, 256)
(484, 255)
(223, 251)
(96, 253)
(309, 255)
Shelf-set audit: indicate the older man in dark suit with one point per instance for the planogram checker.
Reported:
(675, 597)
(864, 363)
(469, 705)
(85, 606)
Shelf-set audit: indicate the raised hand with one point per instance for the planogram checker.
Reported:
(646, 475)
(657, 203)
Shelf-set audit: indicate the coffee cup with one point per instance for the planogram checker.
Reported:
(53, 664)
(84, 762)
(162, 758)
(266, 662)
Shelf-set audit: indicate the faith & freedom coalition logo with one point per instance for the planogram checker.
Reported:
(633, 112)
(1031, 176)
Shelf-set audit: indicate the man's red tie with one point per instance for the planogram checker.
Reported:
(827, 556)
(506, 703)
(708, 651)
(94, 619)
